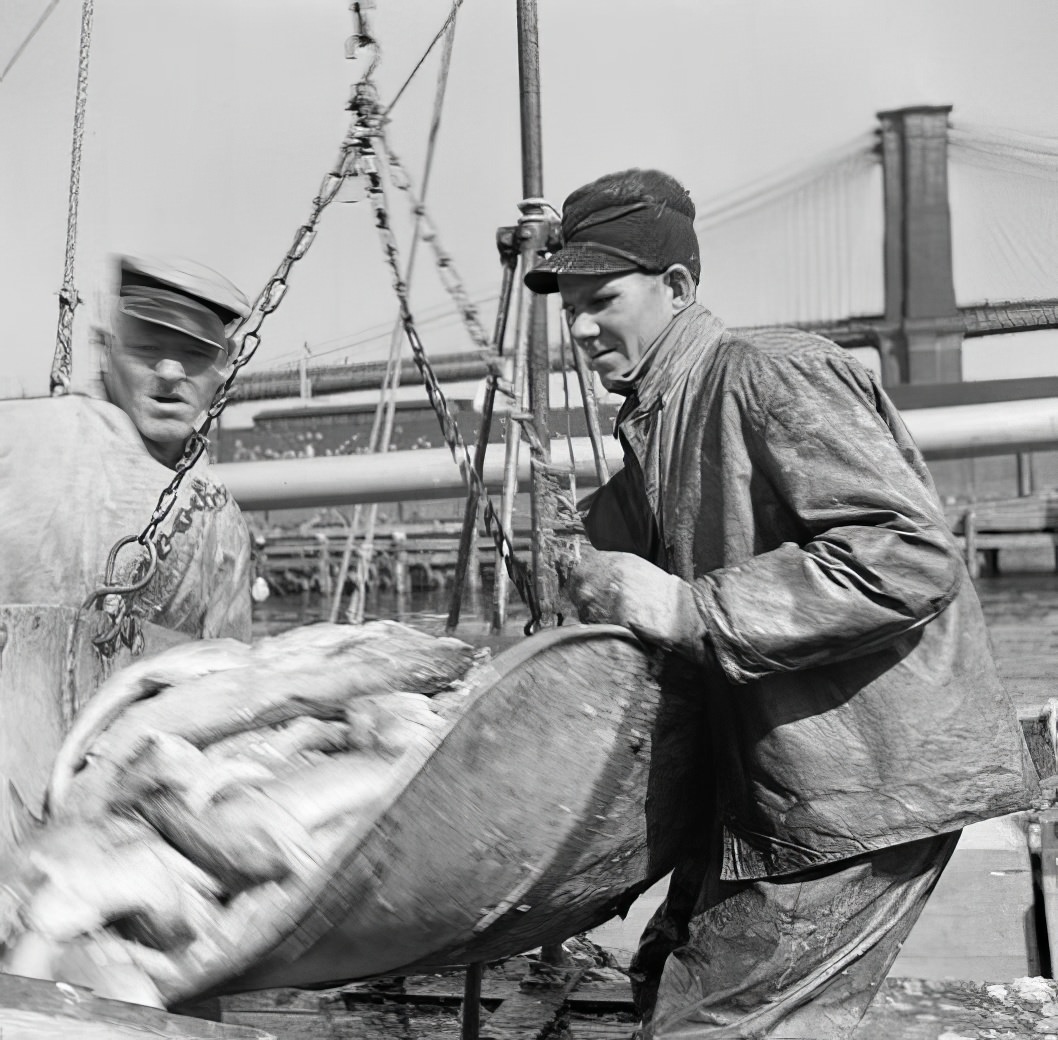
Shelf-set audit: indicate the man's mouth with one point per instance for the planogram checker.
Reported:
(167, 399)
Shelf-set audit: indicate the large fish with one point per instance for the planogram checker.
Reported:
(337, 803)
(208, 770)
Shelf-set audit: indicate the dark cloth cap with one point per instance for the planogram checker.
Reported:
(633, 220)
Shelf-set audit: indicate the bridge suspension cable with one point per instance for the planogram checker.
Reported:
(821, 221)
(1004, 204)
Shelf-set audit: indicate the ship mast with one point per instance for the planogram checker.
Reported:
(534, 230)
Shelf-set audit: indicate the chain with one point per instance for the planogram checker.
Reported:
(62, 362)
(247, 336)
(357, 156)
(445, 264)
(366, 130)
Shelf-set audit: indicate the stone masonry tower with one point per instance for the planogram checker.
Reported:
(922, 337)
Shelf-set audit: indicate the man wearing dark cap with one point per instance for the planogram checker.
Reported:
(93, 470)
(775, 523)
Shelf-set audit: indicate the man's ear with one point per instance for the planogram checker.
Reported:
(678, 278)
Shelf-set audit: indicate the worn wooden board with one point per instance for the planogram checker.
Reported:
(904, 1009)
(531, 1013)
(31, 1009)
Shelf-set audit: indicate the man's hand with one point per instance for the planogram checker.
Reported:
(623, 589)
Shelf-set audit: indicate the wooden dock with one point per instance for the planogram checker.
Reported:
(411, 556)
(584, 1004)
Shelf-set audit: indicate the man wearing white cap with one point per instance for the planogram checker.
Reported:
(169, 350)
(79, 474)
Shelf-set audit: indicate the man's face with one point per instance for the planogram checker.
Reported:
(162, 380)
(614, 318)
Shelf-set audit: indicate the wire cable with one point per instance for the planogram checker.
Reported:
(456, 4)
(25, 43)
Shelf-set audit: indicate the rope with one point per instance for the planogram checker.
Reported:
(456, 4)
(384, 413)
(62, 363)
(365, 163)
(25, 43)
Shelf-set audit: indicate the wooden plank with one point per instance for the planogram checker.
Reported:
(987, 938)
(371, 1024)
(608, 1027)
(597, 997)
(910, 1009)
(443, 991)
(33, 1007)
(532, 1011)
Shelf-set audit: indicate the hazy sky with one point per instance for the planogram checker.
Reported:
(211, 122)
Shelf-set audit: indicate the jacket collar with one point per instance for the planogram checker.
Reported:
(691, 333)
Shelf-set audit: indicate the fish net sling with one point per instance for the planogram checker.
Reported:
(335, 802)
(214, 770)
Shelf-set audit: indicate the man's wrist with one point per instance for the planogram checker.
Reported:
(690, 637)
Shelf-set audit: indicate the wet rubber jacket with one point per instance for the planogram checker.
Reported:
(75, 478)
(858, 705)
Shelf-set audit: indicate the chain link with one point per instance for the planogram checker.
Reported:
(366, 130)
(248, 339)
(356, 157)
(445, 264)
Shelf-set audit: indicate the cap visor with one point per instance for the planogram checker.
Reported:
(575, 259)
(181, 315)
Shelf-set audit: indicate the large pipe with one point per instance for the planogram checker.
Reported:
(999, 428)
(996, 428)
(396, 476)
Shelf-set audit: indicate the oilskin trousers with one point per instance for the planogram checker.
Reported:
(789, 958)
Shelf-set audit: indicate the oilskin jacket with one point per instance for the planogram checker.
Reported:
(74, 479)
(858, 705)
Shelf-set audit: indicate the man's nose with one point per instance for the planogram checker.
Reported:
(170, 369)
(583, 328)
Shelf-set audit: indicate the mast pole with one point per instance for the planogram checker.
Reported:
(534, 231)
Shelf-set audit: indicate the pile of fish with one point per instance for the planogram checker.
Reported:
(200, 789)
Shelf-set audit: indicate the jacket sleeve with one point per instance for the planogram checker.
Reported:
(874, 560)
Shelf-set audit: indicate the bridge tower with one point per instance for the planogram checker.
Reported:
(922, 333)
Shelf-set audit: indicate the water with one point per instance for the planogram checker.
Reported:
(1027, 586)
(423, 609)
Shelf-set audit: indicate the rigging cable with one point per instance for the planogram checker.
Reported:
(418, 65)
(25, 43)
(382, 426)
(62, 363)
